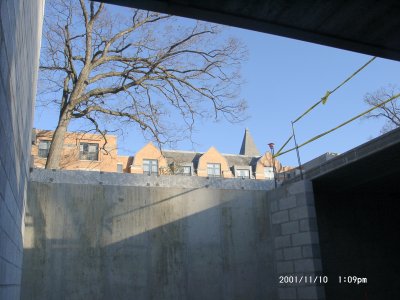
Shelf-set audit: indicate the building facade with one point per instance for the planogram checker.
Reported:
(81, 151)
(94, 152)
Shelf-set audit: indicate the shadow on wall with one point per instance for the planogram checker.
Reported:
(113, 242)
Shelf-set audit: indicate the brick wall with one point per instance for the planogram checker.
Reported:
(107, 158)
(20, 32)
(148, 152)
(267, 161)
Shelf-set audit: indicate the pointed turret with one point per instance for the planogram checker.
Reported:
(248, 146)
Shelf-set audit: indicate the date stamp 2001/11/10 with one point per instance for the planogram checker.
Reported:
(319, 279)
(297, 279)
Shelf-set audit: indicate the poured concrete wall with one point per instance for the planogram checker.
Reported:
(93, 235)
(123, 236)
(20, 31)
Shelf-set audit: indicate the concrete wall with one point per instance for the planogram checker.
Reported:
(122, 236)
(20, 32)
(93, 235)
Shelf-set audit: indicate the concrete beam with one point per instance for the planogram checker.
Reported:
(355, 26)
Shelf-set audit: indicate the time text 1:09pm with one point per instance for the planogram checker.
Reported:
(352, 279)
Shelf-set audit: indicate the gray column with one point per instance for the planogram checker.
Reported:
(297, 255)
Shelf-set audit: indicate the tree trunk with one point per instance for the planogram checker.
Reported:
(57, 144)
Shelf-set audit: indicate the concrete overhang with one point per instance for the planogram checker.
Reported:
(365, 26)
(373, 166)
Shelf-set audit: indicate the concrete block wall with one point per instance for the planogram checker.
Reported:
(20, 33)
(296, 244)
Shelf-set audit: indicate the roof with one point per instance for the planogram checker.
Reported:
(248, 145)
(184, 157)
(241, 160)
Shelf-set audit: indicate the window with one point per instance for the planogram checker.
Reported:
(184, 170)
(44, 147)
(120, 168)
(150, 166)
(214, 170)
(269, 173)
(243, 173)
(89, 151)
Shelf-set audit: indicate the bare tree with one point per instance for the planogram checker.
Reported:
(390, 111)
(143, 67)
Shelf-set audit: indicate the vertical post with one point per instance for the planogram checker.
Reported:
(271, 146)
(297, 151)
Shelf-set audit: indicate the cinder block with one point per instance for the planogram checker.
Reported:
(308, 225)
(305, 238)
(311, 251)
(279, 254)
(274, 206)
(307, 265)
(280, 217)
(292, 253)
(3, 239)
(296, 188)
(302, 212)
(290, 227)
(18, 67)
(288, 202)
(287, 293)
(305, 199)
(276, 229)
(310, 293)
(282, 241)
(3, 180)
(285, 267)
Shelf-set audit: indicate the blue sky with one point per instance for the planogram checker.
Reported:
(283, 77)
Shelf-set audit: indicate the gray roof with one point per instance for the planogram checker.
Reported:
(182, 157)
(248, 146)
(185, 157)
(240, 160)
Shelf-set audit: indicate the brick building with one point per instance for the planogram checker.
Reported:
(83, 151)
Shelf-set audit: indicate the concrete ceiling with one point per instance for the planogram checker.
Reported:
(366, 26)
(373, 166)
